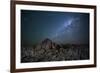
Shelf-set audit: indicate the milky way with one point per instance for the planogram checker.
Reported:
(61, 27)
(66, 27)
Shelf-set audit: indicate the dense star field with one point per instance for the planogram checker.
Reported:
(69, 31)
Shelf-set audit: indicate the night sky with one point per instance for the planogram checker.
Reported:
(60, 27)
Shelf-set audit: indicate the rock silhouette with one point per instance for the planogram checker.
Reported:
(51, 51)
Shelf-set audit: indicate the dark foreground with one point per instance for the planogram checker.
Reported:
(50, 51)
(41, 55)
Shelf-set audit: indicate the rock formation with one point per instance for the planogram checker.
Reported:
(51, 51)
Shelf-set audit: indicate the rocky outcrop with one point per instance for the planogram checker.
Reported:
(48, 51)
(51, 51)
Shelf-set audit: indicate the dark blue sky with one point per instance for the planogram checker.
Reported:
(61, 27)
